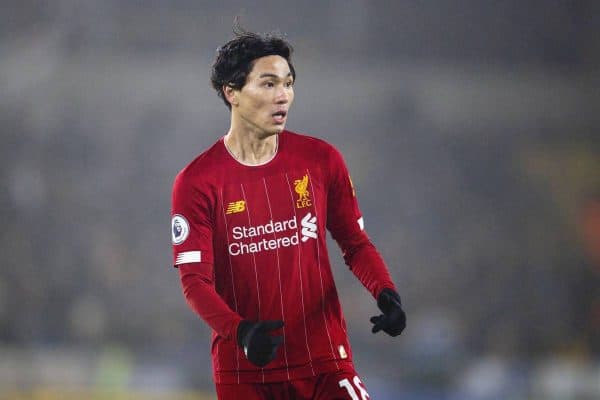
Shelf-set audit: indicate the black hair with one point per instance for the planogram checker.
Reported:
(235, 59)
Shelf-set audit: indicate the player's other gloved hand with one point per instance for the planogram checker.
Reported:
(393, 319)
(259, 347)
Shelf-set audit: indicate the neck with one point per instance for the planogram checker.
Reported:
(251, 148)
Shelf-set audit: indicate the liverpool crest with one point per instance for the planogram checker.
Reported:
(301, 187)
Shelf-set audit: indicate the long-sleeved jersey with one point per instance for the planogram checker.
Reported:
(250, 243)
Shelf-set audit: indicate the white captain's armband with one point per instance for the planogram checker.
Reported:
(361, 223)
(189, 257)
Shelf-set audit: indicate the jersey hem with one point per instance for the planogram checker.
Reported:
(281, 374)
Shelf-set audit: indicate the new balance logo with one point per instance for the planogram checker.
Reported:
(236, 207)
(309, 227)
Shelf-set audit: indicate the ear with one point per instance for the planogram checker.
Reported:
(230, 94)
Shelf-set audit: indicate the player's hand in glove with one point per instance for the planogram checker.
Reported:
(259, 347)
(393, 319)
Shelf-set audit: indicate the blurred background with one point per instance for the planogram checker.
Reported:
(471, 132)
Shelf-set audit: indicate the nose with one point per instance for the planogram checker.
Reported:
(283, 96)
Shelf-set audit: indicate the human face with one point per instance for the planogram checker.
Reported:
(262, 104)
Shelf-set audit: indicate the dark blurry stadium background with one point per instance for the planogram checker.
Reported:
(471, 131)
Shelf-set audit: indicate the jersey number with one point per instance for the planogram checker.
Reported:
(345, 383)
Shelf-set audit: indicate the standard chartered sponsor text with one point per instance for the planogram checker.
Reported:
(240, 232)
(239, 248)
(245, 232)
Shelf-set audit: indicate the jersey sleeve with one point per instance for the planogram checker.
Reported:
(346, 224)
(192, 239)
(191, 224)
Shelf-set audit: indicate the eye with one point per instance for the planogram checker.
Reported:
(269, 84)
(289, 84)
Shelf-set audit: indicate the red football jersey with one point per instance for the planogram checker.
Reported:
(250, 244)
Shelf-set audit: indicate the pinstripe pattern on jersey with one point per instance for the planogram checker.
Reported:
(237, 353)
(279, 276)
(255, 267)
(300, 274)
(312, 189)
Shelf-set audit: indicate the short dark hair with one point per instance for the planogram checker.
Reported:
(235, 59)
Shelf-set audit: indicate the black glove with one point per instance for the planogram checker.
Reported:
(393, 319)
(259, 347)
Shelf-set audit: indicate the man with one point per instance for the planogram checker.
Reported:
(248, 230)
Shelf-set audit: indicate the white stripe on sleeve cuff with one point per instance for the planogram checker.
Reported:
(188, 257)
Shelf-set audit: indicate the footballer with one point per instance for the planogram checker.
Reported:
(249, 220)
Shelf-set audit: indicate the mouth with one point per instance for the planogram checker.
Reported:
(279, 116)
